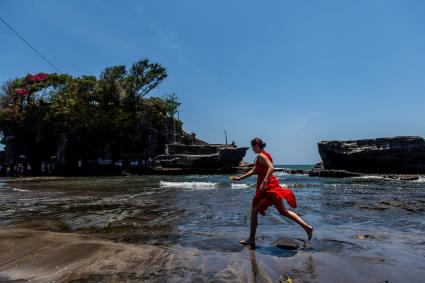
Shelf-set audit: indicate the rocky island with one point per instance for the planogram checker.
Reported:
(206, 158)
(393, 155)
(57, 124)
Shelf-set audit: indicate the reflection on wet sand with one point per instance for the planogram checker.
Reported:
(257, 274)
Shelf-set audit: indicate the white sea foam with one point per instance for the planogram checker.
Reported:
(420, 180)
(278, 174)
(20, 190)
(374, 177)
(371, 177)
(240, 186)
(189, 185)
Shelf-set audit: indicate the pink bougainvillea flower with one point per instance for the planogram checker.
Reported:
(22, 91)
(30, 78)
(13, 110)
(37, 78)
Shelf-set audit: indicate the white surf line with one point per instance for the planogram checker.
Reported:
(20, 190)
(190, 185)
(240, 186)
(420, 180)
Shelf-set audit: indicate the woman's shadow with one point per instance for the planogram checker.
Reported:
(282, 247)
(271, 250)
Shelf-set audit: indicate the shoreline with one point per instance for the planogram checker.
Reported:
(395, 177)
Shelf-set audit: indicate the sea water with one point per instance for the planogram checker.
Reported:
(362, 224)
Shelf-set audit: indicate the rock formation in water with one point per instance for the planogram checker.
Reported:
(207, 158)
(64, 125)
(393, 155)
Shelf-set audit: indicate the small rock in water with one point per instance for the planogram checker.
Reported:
(260, 238)
(286, 244)
(376, 260)
(402, 177)
(364, 237)
(409, 178)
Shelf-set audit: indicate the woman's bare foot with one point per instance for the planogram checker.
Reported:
(247, 242)
(309, 231)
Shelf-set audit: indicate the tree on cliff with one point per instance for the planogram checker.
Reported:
(88, 116)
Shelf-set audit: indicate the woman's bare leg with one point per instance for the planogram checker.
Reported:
(254, 224)
(294, 217)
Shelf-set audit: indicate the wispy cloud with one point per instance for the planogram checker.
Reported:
(140, 10)
(166, 38)
(303, 121)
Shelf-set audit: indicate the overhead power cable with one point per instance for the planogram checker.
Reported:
(35, 50)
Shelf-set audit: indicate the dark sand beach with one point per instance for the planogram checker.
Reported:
(187, 229)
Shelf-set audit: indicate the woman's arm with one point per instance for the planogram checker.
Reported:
(246, 175)
(263, 159)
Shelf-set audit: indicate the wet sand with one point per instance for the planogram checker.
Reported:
(132, 230)
(51, 256)
(41, 256)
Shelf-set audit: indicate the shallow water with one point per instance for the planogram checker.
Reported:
(366, 229)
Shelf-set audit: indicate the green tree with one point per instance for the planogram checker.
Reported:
(94, 114)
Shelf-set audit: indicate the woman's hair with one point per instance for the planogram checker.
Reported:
(258, 141)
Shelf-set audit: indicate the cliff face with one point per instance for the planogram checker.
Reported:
(403, 154)
(149, 141)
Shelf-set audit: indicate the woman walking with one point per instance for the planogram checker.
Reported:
(269, 192)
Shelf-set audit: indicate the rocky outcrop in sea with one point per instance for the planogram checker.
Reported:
(193, 159)
(392, 155)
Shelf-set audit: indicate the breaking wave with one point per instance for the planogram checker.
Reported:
(420, 180)
(202, 185)
(188, 185)
(20, 190)
(370, 177)
(240, 186)
(281, 173)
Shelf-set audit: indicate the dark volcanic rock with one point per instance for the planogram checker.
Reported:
(319, 171)
(296, 171)
(187, 160)
(244, 167)
(332, 173)
(286, 243)
(408, 177)
(383, 155)
(196, 160)
(363, 237)
(246, 164)
(191, 149)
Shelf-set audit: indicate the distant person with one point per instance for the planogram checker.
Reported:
(20, 170)
(43, 168)
(269, 192)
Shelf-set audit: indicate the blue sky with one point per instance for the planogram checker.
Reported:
(291, 72)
